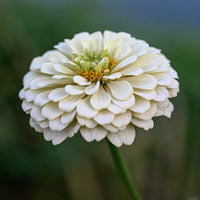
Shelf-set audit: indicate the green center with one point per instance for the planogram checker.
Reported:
(93, 66)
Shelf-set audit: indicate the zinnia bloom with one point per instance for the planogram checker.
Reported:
(100, 85)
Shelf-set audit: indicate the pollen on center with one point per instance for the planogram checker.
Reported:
(112, 61)
(91, 75)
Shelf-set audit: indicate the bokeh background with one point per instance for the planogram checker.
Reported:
(165, 162)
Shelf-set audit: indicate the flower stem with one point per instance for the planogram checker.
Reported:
(123, 171)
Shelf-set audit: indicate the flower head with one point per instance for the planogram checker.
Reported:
(102, 85)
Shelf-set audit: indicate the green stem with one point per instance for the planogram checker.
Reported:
(123, 171)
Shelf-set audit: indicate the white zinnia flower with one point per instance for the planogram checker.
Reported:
(102, 85)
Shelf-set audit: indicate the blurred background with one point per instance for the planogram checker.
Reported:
(165, 162)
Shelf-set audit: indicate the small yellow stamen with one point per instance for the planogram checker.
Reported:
(112, 61)
(93, 76)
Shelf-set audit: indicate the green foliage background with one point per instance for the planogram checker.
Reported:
(164, 162)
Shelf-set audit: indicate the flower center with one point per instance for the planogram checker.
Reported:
(94, 66)
(93, 76)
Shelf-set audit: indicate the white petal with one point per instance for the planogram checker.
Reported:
(168, 111)
(57, 94)
(113, 76)
(104, 117)
(63, 69)
(162, 68)
(173, 92)
(125, 37)
(73, 129)
(147, 94)
(122, 128)
(29, 77)
(67, 117)
(174, 84)
(93, 43)
(124, 63)
(44, 124)
(164, 103)
(122, 51)
(26, 106)
(161, 94)
(56, 124)
(173, 73)
(33, 123)
(111, 128)
(48, 68)
(122, 119)
(121, 90)
(111, 46)
(74, 89)
(144, 81)
(138, 47)
(89, 123)
(60, 136)
(54, 56)
(163, 79)
(49, 134)
(101, 99)
(97, 133)
(132, 72)
(126, 136)
(164, 108)
(148, 62)
(115, 109)
(30, 95)
(148, 114)
(141, 105)
(91, 89)
(22, 93)
(70, 102)
(36, 63)
(81, 80)
(61, 77)
(42, 98)
(36, 113)
(46, 82)
(81, 35)
(84, 109)
(76, 43)
(51, 111)
(149, 66)
(115, 139)
(108, 35)
(73, 65)
(124, 104)
(64, 48)
(152, 50)
(145, 124)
